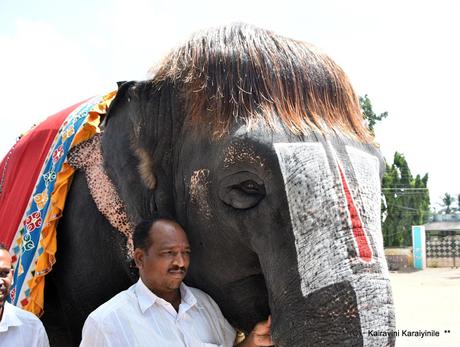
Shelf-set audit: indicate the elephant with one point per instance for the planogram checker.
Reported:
(256, 144)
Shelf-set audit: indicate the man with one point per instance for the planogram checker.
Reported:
(159, 310)
(17, 327)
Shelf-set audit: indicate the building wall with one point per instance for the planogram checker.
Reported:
(399, 258)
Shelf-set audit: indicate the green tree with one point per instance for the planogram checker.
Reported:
(407, 202)
(407, 199)
(447, 201)
(369, 115)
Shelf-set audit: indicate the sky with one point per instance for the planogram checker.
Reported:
(405, 55)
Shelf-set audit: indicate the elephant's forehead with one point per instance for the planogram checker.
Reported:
(199, 189)
(242, 151)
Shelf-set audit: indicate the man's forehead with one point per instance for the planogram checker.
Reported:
(168, 245)
(5, 258)
(167, 232)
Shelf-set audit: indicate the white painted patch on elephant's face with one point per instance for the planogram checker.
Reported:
(311, 191)
(325, 236)
(372, 290)
(366, 170)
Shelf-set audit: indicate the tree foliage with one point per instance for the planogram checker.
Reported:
(407, 202)
(447, 201)
(407, 199)
(369, 115)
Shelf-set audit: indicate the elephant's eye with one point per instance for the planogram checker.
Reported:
(242, 190)
(249, 186)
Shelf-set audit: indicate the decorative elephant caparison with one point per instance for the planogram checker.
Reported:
(256, 144)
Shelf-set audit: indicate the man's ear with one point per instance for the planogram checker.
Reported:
(139, 258)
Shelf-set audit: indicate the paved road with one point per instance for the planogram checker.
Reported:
(428, 300)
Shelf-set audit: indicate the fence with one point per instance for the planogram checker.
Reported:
(443, 249)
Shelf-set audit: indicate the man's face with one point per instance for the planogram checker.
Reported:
(6, 275)
(163, 266)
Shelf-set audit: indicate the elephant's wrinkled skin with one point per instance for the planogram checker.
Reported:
(283, 217)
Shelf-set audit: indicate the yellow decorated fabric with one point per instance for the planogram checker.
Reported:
(48, 240)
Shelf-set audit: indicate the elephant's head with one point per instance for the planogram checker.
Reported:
(256, 143)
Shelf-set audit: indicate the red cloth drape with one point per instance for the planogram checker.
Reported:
(23, 165)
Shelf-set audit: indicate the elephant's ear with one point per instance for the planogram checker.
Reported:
(115, 104)
(128, 103)
(120, 98)
(157, 119)
(153, 114)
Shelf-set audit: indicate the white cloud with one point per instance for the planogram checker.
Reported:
(43, 72)
(403, 54)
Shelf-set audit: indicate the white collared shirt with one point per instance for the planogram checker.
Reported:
(137, 317)
(21, 328)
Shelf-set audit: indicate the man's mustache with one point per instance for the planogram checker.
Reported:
(177, 269)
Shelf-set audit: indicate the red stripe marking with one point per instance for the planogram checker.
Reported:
(364, 249)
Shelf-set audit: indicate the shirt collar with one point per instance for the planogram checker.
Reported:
(9, 318)
(147, 298)
(187, 296)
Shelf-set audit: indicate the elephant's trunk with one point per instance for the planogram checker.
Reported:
(336, 315)
(335, 290)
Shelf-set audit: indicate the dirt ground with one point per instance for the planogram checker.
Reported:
(427, 300)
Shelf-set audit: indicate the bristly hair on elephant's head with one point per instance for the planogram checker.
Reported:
(241, 73)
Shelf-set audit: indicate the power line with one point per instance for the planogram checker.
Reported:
(404, 207)
(403, 189)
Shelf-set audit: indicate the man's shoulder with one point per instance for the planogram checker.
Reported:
(121, 301)
(207, 303)
(24, 316)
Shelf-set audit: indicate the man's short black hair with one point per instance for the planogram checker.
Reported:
(3, 247)
(141, 232)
